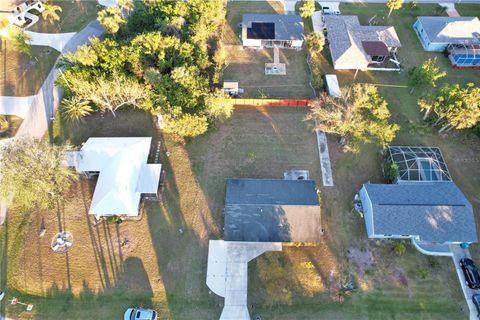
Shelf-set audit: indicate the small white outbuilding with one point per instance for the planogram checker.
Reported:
(124, 174)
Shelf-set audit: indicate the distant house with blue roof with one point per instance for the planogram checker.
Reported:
(460, 36)
(423, 204)
(437, 33)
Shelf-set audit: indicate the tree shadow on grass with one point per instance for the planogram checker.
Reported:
(132, 289)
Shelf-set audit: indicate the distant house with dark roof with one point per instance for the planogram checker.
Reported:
(424, 205)
(263, 210)
(437, 33)
(269, 30)
(356, 47)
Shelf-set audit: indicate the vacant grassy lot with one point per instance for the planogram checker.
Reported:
(248, 66)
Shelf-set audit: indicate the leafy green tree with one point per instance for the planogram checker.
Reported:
(84, 55)
(32, 173)
(307, 8)
(453, 107)
(21, 40)
(315, 43)
(74, 109)
(111, 18)
(427, 74)
(394, 5)
(166, 63)
(219, 106)
(361, 116)
(110, 94)
(186, 125)
(127, 5)
(50, 13)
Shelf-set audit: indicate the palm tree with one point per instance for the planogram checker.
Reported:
(75, 109)
(50, 13)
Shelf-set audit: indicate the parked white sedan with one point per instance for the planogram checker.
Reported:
(140, 314)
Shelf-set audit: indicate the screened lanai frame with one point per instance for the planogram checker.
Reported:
(419, 163)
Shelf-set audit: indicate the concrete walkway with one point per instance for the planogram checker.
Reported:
(450, 9)
(15, 106)
(325, 164)
(227, 273)
(56, 41)
(459, 253)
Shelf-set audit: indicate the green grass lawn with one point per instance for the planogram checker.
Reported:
(75, 16)
(21, 75)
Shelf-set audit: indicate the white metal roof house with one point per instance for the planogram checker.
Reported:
(424, 205)
(437, 33)
(272, 30)
(356, 47)
(124, 174)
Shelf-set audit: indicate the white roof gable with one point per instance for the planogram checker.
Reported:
(122, 164)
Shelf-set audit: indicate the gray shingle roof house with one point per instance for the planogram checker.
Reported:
(435, 212)
(424, 204)
(264, 210)
(436, 33)
(268, 30)
(354, 46)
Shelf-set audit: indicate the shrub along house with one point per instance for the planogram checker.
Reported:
(459, 36)
(272, 30)
(356, 47)
(423, 204)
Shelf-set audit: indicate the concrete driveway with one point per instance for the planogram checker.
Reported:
(227, 273)
(56, 41)
(459, 253)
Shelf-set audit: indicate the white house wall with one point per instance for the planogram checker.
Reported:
(297, 43)
(252, 42)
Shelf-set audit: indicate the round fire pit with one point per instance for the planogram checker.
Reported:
(61, 242)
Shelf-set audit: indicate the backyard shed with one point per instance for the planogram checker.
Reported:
(264, 210)
(437, 33)
(123, 173)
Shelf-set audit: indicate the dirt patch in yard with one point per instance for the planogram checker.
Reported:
(363, 259)
(399, 277)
